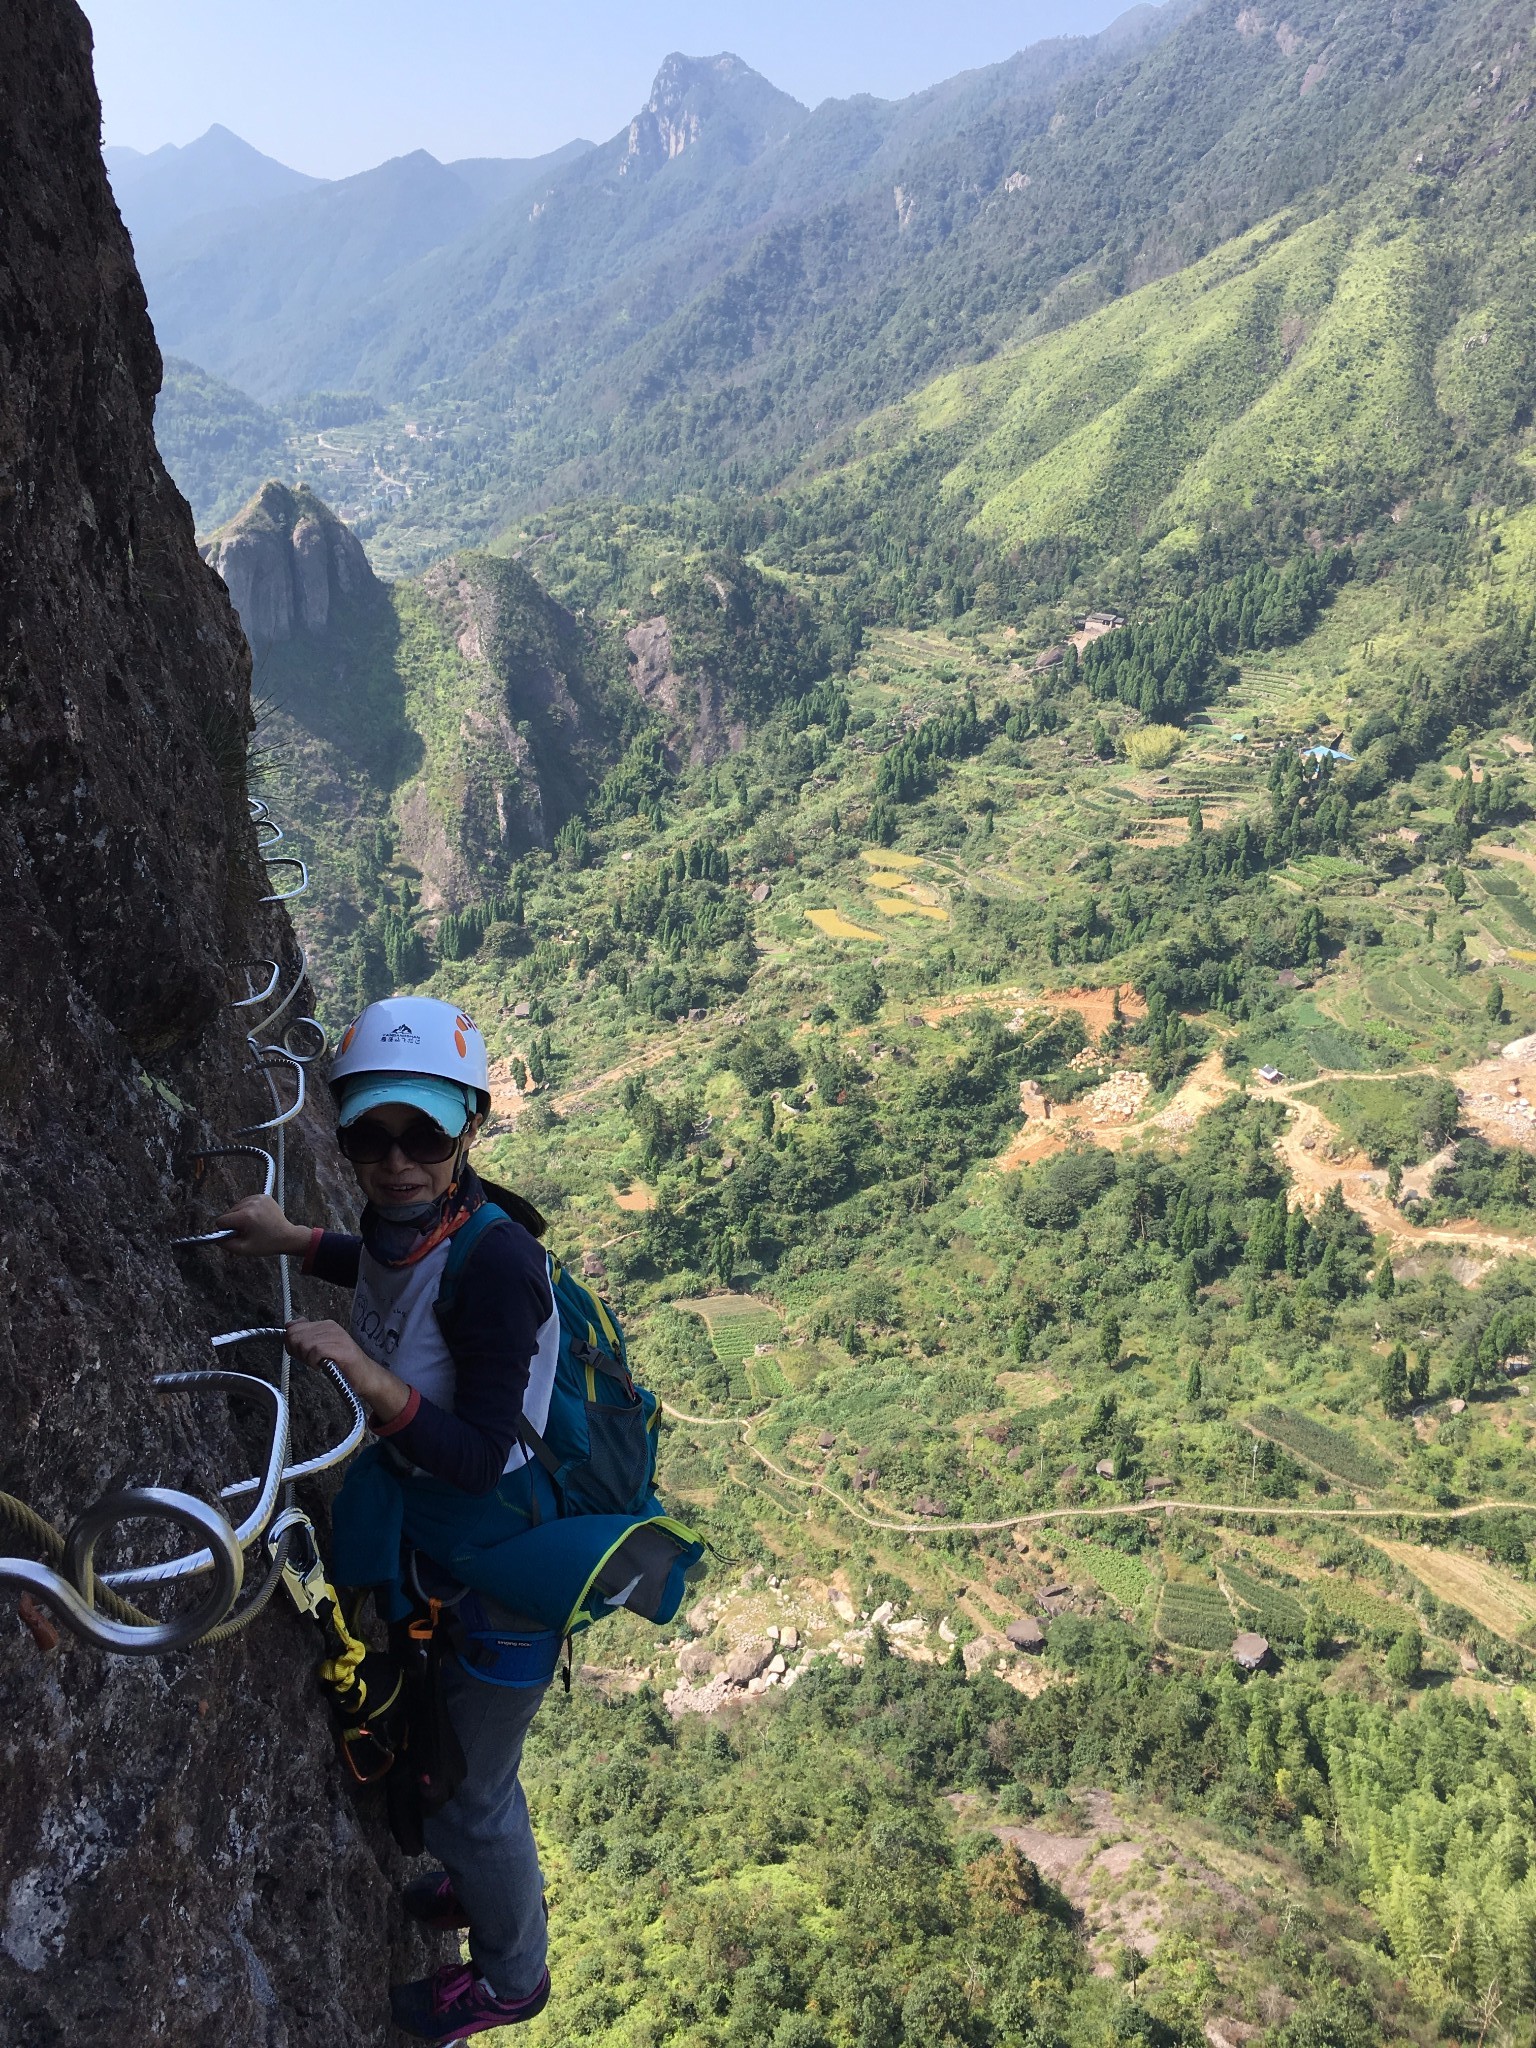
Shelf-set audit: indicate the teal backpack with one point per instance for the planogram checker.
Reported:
(599, 1440)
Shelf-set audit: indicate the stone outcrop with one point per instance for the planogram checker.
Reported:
(288, 561)
(179, 1862)
(516, 739)
(694, 97)
(695, 709)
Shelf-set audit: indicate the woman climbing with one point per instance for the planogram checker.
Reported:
(456, 1391)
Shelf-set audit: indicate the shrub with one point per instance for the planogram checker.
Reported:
(1153, 746)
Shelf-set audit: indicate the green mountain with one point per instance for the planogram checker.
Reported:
(444, 727)
(1328, 364)
(215, 441)
(160, 190)
(670, 314)
(234, 290)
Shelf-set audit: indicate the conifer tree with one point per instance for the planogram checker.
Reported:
(1393, 1383)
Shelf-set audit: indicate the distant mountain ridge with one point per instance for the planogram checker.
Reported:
(231, 284)
(159, 191)
(718, 293)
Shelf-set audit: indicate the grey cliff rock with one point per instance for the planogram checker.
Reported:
(179, 1862)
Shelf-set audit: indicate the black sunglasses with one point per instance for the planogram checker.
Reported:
(423, 1142)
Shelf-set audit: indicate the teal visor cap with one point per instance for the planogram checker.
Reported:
(447, 1103)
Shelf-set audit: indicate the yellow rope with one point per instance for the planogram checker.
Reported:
(48, 1539)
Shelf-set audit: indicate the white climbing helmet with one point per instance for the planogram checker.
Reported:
(413, 1035)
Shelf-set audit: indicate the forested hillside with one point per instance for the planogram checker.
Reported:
(649, 322)
(975, 758)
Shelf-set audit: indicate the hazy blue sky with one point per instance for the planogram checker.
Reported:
(333, 86)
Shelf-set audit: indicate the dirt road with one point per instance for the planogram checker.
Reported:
(1305, 1145)
(1162, 1504)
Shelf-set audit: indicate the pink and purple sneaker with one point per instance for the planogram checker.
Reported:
(454, 2003)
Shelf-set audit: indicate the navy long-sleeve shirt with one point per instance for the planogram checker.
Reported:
(501, 1314)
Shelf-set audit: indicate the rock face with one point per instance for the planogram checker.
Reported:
(513, 742)
(287, 561)
(716, 96)
(694, 709)
(178, 1860)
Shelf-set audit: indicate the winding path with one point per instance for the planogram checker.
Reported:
(1313, 1173)
(1158, 1505)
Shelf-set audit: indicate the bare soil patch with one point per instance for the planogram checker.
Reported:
(1498, 1099)
(1096, 1006)
(1127, 1876)
(1201, 1089)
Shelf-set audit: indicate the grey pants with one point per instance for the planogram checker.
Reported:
(483, 1837)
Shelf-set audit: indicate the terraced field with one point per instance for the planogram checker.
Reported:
(1194, 1617)
(1269, 1609)
(1125, 1579)
(1338, 1455)
(1496, 1598)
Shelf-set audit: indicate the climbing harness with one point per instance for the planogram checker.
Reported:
(91, 1604)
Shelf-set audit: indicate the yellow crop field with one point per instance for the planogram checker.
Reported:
(879, 858)
(836, 926)
(899, 906)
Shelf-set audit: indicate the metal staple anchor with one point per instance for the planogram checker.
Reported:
(70, 1593)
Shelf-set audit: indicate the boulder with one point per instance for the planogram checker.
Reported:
(742, 1666)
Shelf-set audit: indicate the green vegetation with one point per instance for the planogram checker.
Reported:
(1390, 1121)
(1334, 1453)
(1195, 1617)
(877, 975)
(795, 1876)
(217, 443)
(1269, 1609)
(1124, 1578)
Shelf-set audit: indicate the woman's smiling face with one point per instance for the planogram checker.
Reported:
(395, 1182)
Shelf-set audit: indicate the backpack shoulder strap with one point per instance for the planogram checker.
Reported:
(588, 1307)
(460, 1247)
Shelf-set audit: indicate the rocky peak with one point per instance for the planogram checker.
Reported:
(697, 96)
(287, 560)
